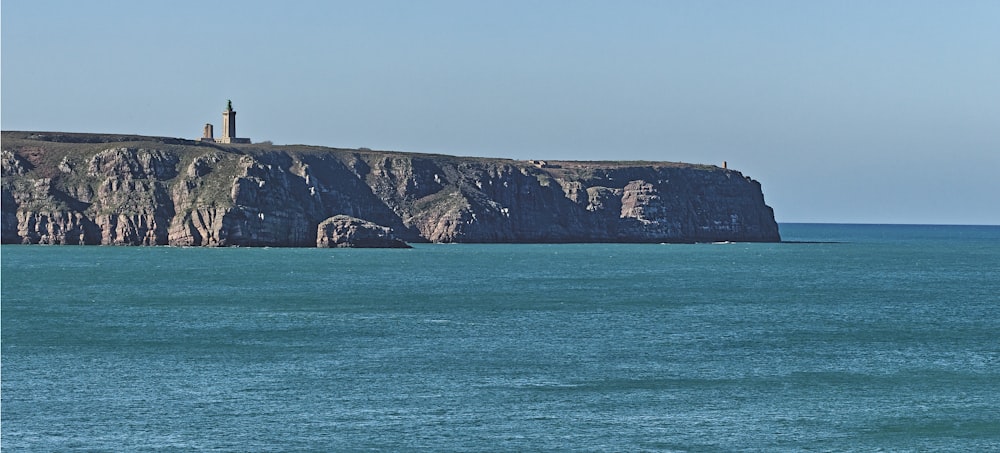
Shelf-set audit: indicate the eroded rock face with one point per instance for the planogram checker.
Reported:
(351, 232)
(91, 189)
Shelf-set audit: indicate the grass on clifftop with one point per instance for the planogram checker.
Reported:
(57, 144)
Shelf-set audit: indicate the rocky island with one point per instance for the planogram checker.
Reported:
(71, 188)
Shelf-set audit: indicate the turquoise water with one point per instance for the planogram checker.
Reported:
(858, 338)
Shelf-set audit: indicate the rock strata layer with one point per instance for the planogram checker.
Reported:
(60, 188)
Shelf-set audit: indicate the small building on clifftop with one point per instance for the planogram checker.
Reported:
(228, 128)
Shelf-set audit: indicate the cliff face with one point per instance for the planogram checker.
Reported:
(131, 190)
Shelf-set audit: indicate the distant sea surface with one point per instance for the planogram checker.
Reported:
(855, 337)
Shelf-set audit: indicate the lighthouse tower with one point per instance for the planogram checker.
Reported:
(228, 128)
(228, 123)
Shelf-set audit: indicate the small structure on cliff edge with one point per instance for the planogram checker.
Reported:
(228, 128)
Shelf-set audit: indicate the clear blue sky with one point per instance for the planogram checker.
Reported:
(846, 111)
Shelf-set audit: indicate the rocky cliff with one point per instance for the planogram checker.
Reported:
(60, 188)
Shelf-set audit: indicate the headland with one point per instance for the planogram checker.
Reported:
(113, 189)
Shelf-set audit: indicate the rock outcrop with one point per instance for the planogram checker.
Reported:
(129, 190)
(346, 231)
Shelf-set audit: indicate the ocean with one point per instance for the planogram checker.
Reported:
(846, 337)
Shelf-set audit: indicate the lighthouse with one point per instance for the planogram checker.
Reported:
(228, 128)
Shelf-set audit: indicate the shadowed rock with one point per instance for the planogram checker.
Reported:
(351, 232)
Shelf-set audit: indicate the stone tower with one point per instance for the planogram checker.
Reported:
(228, 128)
(228, 123)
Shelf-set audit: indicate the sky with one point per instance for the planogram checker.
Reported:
(846, 111)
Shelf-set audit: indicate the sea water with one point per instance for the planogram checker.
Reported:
(853, 337)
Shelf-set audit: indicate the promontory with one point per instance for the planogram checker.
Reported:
(73, 188)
